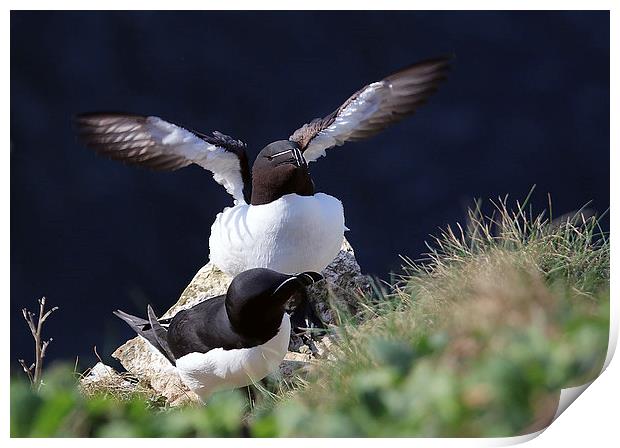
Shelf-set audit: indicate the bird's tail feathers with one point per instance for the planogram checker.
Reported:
(152, 330)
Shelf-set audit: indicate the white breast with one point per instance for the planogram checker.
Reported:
(205, 373)
(292, 234)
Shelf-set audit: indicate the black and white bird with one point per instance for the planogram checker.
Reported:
(278, 220)
(229, 341)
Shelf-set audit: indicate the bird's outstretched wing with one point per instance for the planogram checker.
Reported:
(160, 145)
(372, 108)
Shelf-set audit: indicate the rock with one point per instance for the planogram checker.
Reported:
(145, 362)
(208, 282)
(343, 282)
(304, 349)
(296, 364)
(323, 348)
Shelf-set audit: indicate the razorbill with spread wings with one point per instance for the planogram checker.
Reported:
(278, 221)
(229, 341)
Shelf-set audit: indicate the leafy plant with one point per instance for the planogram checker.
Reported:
(60, 410)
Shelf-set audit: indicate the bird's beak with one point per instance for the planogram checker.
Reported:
(297, 158)
(308, 278)
(305, 278)
(300, 160)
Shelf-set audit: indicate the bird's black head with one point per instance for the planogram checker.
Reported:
(255, 300)
(279, 169)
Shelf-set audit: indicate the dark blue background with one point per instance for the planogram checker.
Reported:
(527, 103)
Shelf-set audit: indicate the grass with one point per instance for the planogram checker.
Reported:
(477, 339)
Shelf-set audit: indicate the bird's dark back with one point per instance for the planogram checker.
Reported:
(204, 327)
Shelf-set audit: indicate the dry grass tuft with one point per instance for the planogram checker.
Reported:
(495, 308)
(103, 381)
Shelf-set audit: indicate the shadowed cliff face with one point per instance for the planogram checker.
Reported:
(527, 103)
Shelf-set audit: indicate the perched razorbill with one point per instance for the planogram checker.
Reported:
(232, 340)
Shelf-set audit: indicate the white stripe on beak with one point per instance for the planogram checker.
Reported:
(280, 153)
(282, 284)
(299, 158)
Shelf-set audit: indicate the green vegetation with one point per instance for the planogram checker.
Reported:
(477, 340)
(59, 409)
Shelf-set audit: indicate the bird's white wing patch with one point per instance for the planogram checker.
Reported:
(372, 108)
(159, 144)
(224, 165)
(346, 122)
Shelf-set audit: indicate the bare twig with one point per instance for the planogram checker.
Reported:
(97, 354)
(27, 370)
(34, 372)
(75, 366)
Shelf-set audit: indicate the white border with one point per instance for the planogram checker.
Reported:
(591, 420)
(316, 5)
